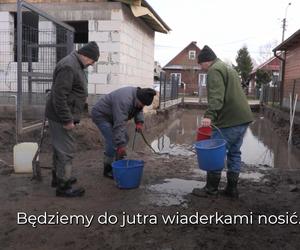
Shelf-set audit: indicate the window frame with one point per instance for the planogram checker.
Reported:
(192, 52)
(179, 76)
(202, 76)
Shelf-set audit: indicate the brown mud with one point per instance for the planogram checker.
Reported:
(165, 190)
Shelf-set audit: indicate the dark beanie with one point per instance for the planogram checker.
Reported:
(145, 95)
(206, 55)
(90, 50)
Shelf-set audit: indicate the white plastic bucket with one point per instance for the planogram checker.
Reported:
(23, 156)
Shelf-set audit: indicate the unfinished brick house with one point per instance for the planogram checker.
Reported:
(186, 68)
(291, 68)
(124, 31)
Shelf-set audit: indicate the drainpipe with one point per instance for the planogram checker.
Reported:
(282, 59)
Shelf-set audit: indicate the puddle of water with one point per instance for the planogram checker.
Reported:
(250, 175)
(163, 146)
(255, 176)
(262, 146)
(172, 191)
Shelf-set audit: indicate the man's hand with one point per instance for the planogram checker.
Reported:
(68, 126)
(139, 127)
(206, 122)
(121, 153)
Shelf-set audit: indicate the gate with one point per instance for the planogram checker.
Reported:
(168, 90)
(38, 41)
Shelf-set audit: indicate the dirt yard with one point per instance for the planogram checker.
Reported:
(265, 217)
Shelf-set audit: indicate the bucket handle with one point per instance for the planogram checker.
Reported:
(214, 126)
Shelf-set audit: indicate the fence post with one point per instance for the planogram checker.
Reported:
(70, 39)
(19, 68)
(160, 89)
(29, 53)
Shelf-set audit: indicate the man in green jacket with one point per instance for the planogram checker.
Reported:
(228, 109)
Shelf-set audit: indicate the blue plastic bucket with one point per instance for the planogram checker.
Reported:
(211, 154)
(128, 173)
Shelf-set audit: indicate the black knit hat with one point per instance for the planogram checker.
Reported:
(145, 95)
(90, 50)
(206, 55)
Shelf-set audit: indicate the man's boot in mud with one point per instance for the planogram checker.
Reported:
(211, 187)
(107, 168)
(54, 181)
(231, 187)
(64, 189)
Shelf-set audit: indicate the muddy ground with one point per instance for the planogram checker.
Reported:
(271, 193)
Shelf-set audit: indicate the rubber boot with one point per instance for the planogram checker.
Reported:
(71, 181)
(64, 189)
(231, 187)
(107, 168)
(211, 187)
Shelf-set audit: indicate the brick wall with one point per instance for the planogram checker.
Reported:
(190, 78)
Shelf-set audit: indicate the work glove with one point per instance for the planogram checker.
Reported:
(121, 153)
(139, 127)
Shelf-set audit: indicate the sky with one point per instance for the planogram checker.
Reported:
(225, 26)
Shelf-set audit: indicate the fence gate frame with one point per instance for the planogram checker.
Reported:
(69, 47)
(168, 89)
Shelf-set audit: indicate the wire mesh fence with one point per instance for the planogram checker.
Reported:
(31, 43)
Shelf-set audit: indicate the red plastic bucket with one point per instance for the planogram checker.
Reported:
(204, 133)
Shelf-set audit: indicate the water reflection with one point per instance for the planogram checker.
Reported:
(163, 146)
(262, 145)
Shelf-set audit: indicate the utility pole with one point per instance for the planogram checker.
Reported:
(284, 21)
(282, 61)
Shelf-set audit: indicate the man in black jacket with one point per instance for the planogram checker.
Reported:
(63, 109)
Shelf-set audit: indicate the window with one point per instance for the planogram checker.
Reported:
(275, 76)
(192, 54)
(30, 36)
(81, 36)
(176, 76)
(202, 80)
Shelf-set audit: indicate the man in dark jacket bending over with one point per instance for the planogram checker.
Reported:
(111, 114)
(66, 102)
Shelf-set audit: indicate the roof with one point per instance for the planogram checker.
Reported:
(291, 41)
(140, 8)
(181, 60)
(271, 64)
(181, 67)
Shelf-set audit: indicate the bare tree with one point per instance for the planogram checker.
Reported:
(265, 51)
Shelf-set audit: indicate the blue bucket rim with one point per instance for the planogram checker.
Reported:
(129, 166)
(203, 141)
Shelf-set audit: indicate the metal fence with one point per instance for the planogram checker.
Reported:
(270, 94)
(169, 86)
(30, 47)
